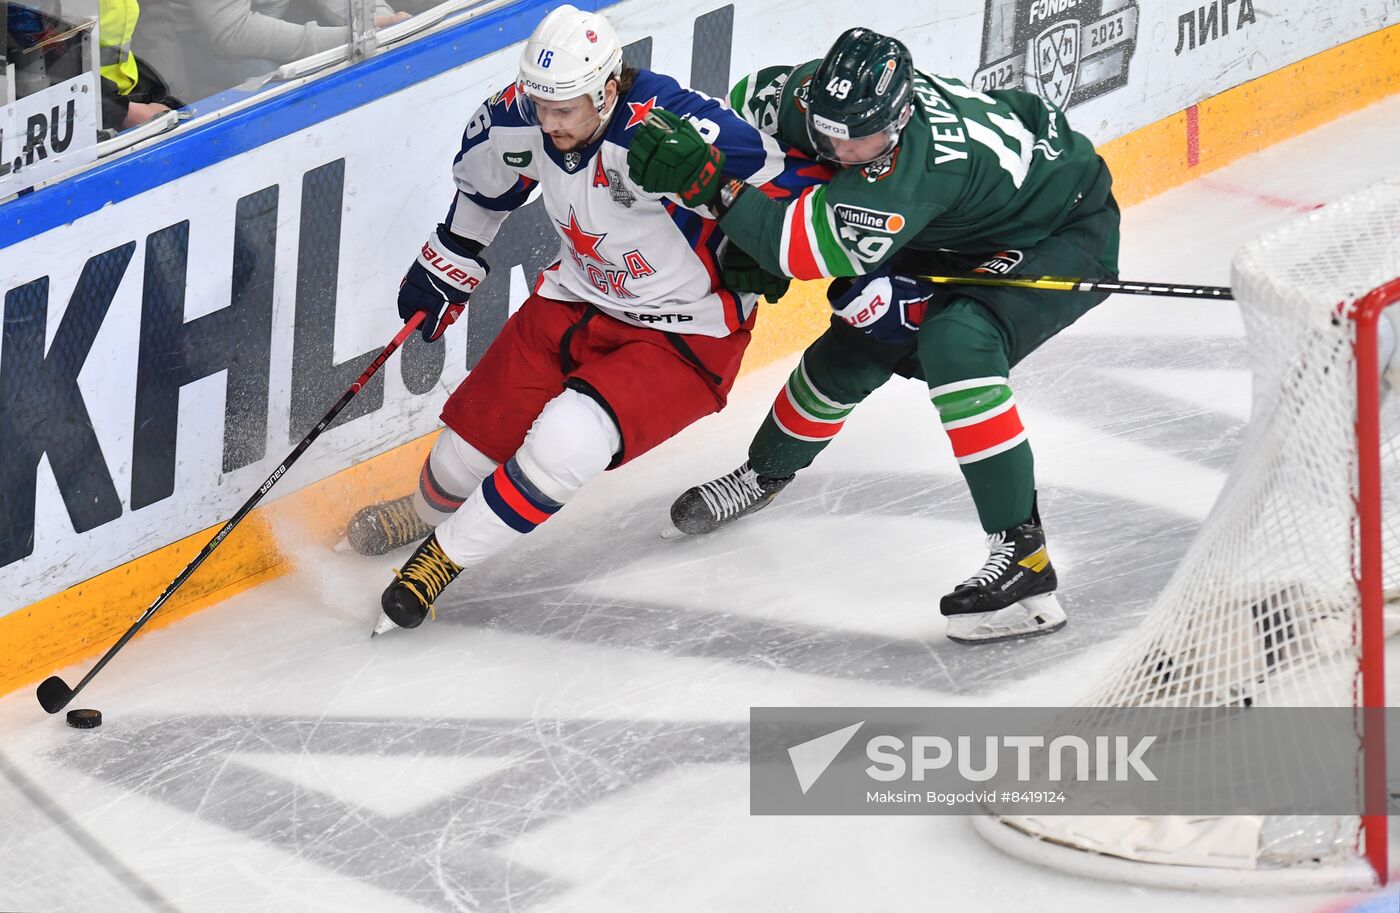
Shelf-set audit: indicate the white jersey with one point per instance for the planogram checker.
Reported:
(642, 258)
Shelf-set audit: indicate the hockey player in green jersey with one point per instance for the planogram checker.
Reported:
(932, 178)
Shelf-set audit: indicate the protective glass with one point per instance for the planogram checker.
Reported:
(569, 115)
(851, 150)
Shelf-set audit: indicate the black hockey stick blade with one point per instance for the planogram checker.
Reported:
(54, 694)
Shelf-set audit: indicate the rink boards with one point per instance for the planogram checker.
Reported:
(176, 319)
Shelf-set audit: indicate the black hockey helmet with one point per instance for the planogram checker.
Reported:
(864, 87)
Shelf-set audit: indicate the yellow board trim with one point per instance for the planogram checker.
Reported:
(84, 620)
(1256, 115)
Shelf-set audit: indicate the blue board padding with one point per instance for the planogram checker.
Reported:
(203, 145)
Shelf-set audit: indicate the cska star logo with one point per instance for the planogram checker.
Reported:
(510, 95)
(583, 243)
(639, 111)
(583, 248)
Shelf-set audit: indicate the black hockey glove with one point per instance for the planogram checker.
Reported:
(741, 273)
(440, 281)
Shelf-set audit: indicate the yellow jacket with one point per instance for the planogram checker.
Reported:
(116, 22)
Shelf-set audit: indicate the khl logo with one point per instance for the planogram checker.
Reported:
(1065, 51)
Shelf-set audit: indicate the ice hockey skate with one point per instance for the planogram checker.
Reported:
(381, 528)
(705, 508)
(409, 599)
(1012, 596)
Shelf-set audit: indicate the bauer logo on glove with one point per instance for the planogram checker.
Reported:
(440, 281)
(887, 307)
(447, 269)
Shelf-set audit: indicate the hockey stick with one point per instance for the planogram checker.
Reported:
(1062, 284)
(1057, 283)
(54, 694)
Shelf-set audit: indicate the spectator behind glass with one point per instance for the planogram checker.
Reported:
(207, 46)
(45, 49)
(132, 91)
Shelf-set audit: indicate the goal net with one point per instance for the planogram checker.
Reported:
(1281, 599)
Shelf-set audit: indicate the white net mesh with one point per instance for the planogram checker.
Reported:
(1264, 609)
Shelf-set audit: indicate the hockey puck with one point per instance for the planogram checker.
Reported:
(85, 719)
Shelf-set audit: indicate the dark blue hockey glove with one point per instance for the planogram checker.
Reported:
(440, 281)
(885, 306)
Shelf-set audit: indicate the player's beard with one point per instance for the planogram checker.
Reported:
(566, 145)
(598, 130)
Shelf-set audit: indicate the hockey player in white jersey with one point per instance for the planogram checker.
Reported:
(628, 338)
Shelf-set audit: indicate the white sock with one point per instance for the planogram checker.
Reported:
(572, 440)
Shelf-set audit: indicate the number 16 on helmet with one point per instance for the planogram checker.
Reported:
(571, 54)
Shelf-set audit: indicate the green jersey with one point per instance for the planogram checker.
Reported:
(973, 171)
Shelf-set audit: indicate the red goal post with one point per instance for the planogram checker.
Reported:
(1370, 575)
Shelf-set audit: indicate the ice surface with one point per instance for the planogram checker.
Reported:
(570, 734)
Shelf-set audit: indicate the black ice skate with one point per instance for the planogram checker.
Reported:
(705, 508)
(409, 599)
(383, 527)
(1012, 596)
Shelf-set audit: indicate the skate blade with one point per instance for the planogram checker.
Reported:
(669, 531)
(343, 545)
(384, 624)
(1034, 616)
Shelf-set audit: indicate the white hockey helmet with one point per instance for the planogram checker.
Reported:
(570, 54)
